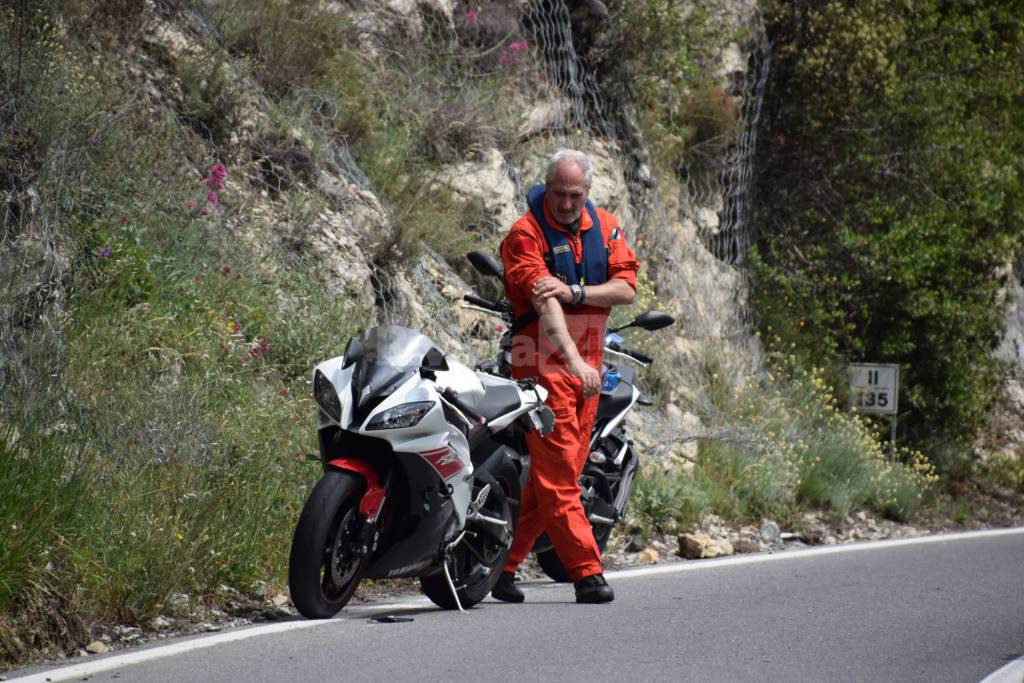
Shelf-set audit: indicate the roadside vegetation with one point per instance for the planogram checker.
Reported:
(778, 445)
(892, 200)
(157, 339)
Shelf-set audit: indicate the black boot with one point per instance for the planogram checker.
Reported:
(506, 590)
(593, 588)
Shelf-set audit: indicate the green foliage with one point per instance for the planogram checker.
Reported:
(775, 445)
(177, 466)
(40, 494)
(292, 43)
(211, 96)
(687, 116)
(1004, 468)
(892, 167)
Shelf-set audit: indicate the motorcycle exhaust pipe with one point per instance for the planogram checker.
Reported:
(598, 519)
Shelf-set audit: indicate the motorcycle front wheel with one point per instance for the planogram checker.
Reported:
(476, 562)
(323, 568)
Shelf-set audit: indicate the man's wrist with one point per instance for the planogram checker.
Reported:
(578, 295)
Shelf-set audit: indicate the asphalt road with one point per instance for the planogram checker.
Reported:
(946, 610)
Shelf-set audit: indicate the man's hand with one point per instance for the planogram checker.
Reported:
(590, 377)
(550, 286)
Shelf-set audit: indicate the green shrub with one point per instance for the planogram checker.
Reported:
(41, 494)
(293, 44)
(211, 96)
(891, 166)
(775, 445)
(176, 464)
(682, 112)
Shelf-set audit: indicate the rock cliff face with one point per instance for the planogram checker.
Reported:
(673, 227)
(676, 230)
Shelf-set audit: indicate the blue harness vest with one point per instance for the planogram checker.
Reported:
(560, 259)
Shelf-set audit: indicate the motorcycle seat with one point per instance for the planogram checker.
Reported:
(497, 401)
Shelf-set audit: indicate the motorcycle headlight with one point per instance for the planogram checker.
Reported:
(326, 397)
(405, 415)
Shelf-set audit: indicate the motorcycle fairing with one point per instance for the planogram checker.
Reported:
(415, 521)
(373, 498)
(445, 461)
(623, 398)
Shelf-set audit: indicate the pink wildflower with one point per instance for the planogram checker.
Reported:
(471, 17)
(503, 59)
(283, 393)
(212, 197)
(190, 204)
(257, 350)
(515, 47)
(204, 212)
(198, 277)
(226, 270)
(218, 171)
(499, 328)
(124, 219)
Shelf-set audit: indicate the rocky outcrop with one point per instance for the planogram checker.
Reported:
(701, 546)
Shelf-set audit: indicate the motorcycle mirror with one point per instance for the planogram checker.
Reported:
(653, 320)
(434, 360)
(649, 320)
(485, 264)
(354, 352)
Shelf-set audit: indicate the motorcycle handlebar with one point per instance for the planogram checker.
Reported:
(642, 357)
(480, 301)
(635, 355)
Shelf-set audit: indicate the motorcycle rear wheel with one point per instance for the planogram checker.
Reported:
(552, 566)
(323, 572)
(476, 563)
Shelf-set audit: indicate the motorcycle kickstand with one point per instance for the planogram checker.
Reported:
(448, 575)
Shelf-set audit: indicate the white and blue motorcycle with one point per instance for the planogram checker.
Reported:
(421, 473)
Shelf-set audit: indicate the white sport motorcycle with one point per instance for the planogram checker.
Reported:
(421, 459)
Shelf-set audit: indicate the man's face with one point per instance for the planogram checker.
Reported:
(567, 192)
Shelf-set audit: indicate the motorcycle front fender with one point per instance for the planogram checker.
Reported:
(373, 500)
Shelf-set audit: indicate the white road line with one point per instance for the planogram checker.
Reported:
(94, 666)
(756, 558)
(1011, 673)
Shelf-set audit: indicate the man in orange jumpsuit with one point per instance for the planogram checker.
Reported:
(566, 263)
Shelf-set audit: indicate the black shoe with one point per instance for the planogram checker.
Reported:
(593, 588)
(506, 590)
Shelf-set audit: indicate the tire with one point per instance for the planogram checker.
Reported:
(322, 571)
(552, 566)
(476, 563)
(548, 558)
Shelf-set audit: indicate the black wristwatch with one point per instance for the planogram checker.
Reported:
(578, 295)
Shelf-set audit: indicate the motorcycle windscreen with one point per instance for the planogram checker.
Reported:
(391, 354)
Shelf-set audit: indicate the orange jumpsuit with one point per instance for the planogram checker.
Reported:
(551, 499)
